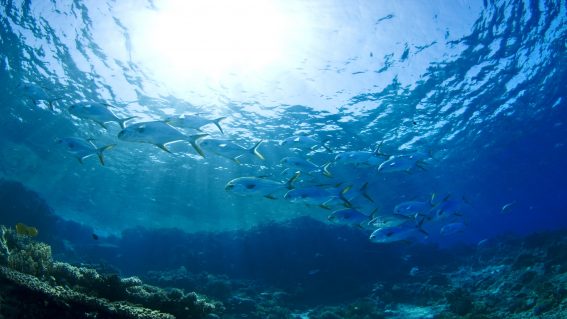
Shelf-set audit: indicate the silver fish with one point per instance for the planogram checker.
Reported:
(349, 216)
(303, 143)
(230, 149)
(411, 208)
(305, 166)
(98, 112)
(37, 93)
(447, 208)
(82, 148)
(361, 158)
(403, 163)
(398, 233)
(392, 220)
(159, 134)
(250, 186)
(452, 228)
(318, 196)
(193, 121)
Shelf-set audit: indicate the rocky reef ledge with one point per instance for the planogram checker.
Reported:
(34, 286)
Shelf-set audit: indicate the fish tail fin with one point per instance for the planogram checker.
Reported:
(420, 228)
(378, 151)
(325, 141)
(122, 122)
(195, 142)
(216, 122)
(364, 191)
(372, 216)
(50, 103)
(326, 171)
(254, 150)
(343, 198)
(432, 199)
(100, 152)
(290, 182)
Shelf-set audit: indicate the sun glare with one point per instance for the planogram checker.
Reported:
(213, 37)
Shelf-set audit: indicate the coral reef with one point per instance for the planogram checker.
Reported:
(35, 286)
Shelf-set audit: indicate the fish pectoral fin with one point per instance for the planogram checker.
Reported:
(101, 124)
(163, 147)
(270, 196)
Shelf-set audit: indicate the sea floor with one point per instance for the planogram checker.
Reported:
(501, 278)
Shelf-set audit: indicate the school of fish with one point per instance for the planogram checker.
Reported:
(346, 197)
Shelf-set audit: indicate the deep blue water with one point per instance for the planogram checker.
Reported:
(478, 86)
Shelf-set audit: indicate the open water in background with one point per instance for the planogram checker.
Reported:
(480, 84)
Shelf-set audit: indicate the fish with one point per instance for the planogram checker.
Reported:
(318, 196)
(305, 143)
(411, 208)
(452, 228)
(159, 134)
(37, 93)
(259, 186)
(398, 233)
(361, 158)
(231, 150)
(391, 220)
(193, 121)
(306, 166)
(506, 208)
(98, 112)
(23, 229)
(447, 208)
(82, 148)
(403, 163)
(349, 216)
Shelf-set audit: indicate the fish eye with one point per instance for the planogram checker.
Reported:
(389, 234)
(303, 195)
(250, 186)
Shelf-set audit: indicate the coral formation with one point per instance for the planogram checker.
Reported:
(60, 290)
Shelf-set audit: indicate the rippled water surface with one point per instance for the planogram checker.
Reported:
(478, 85)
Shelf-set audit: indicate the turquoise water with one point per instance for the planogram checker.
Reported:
(477, 85)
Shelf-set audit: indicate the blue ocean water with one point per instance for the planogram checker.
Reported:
(475, 89)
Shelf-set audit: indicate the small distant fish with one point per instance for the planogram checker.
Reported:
(414, 271)
(313, 272)
(23, 229)
(250, 186)
(507, 207)
(482, 243)
(97, 112)
(452, 228)
(306, 166)
(159, 134)
(193, 121)
(230, 150)
(349, 216)
(82, 148)
(303, 143)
